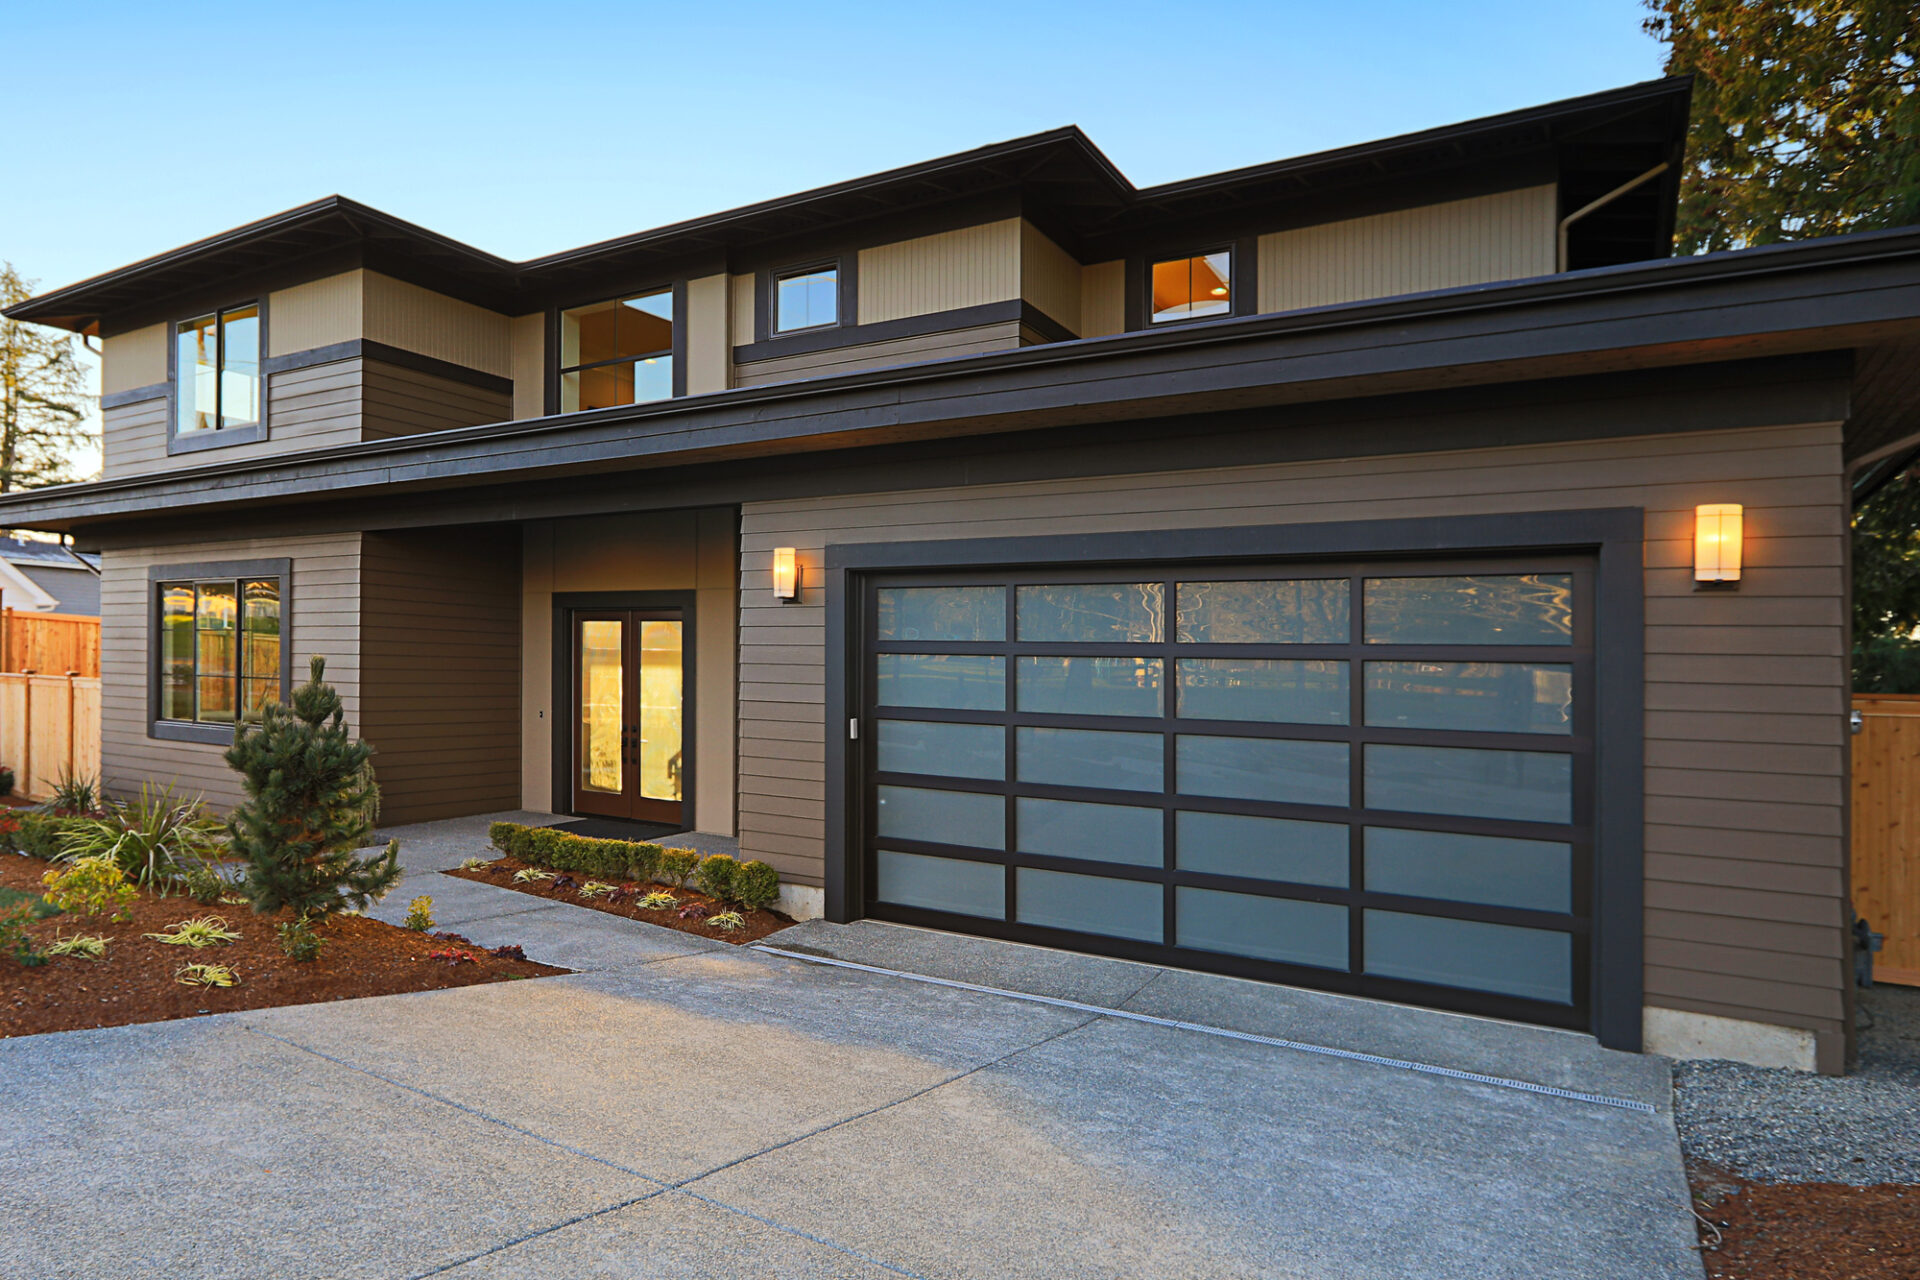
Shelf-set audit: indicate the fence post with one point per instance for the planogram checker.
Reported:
(24, 780)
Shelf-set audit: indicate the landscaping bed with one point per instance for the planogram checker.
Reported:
(625, 901)
(1806, 1230)
(136, 982)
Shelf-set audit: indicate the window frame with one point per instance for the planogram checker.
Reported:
(218, 437)
(1242, 265)
(1153, 260)
(842, 295)
(676, 350)
(238, 570)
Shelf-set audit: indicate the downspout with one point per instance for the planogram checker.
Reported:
(1566, 223)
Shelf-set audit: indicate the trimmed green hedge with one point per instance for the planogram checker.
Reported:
(752, 884)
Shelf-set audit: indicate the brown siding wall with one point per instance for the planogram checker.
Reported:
(399, 402)
(440, 670)
(1745, 691)
(878, 355)
(323, 618)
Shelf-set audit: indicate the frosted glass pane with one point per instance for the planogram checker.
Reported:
(1302, 611)
(963, 681)
(661, 676)
(1525, 786)
(602, 707)
(1090, 686)
(1278, 769)
(944, 817)
(1091, 758)
(1534, 874)
(1230, 844)
(1535, 964)
(1102, 612)
(1281, 929)
(942, 884)
(1090, 904)
(1101, 832)
(1286, 691)
(940, 613)
(950, 750)
(1528, 608)
(1493, 697)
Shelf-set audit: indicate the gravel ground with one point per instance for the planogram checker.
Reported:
(1791, 1126)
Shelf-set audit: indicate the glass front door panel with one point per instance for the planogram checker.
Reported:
(661, 699)
(602, 707)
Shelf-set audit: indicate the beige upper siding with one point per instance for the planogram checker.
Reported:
(530, 366)
(1049, 278)
(1504, 236)
(944, 272)
(317, 313)
(1745, 691)
(709, 347)
(1103, 298)
(431, 324)
(742, 310)
(134, 359)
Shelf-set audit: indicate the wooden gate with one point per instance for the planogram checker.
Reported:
(1886, 829)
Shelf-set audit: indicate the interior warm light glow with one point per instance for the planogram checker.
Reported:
(1716, 542)
(786, 574)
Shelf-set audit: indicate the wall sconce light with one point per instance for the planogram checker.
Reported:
(786, 575)
(1716, 544)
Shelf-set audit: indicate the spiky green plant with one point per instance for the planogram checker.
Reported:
(595, 889)
(474, 864)
(201, 931)
(728, 921)
(72, 793)
(80, 946)
(659, 900)
(205, 975)
(531, 875)
(153, 838)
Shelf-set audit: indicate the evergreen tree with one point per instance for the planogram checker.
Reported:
(45, 435)
(311, 804)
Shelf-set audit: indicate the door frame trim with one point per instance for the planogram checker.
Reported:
(1615, 535)
(564, 605)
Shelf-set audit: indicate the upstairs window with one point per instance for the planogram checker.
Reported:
(615, 353)
(808, 299)
(217, 371)
(219, 649)
(1188, 288)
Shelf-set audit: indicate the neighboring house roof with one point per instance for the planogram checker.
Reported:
(49, 576)
(18, 591)
(1064, 181)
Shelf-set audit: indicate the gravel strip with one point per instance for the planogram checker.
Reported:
(1792, 1126)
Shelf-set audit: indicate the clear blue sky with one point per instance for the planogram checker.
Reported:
(531, 127)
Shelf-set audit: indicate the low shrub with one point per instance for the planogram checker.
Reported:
(6, 779)
(419, 914)
(508, 837)
(676, 865)
(565, 851)
(714, 876)
(91, 887)
(755, 884)
(153, 838)
(203, 883)
(13, 936)
(38, 835)
(643, 861)
(299, 941)
(73, 794)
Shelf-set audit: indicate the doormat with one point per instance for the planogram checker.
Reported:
(617, 829)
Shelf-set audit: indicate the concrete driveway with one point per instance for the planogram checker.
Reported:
(687, 1109)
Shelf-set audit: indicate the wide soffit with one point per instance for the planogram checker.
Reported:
(1856, 293)
(1059, 176)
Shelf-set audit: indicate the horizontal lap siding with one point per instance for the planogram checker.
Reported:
(440, 644)
(324, 617)
(879, 355)
(399, 402)
(1745, 691)
(133, 438)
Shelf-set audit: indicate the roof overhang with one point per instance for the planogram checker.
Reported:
(1846, 293)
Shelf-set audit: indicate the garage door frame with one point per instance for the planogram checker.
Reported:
(1612, 535)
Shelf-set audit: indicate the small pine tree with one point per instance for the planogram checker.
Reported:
(311, 803)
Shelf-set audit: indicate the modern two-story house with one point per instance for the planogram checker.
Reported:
(1387, 571)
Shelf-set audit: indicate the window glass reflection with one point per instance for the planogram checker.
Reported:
(1186, 288)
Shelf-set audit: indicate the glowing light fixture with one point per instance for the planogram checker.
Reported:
(1716, 542)
(786, 574)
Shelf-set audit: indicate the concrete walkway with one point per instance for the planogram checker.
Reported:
(682, 1108)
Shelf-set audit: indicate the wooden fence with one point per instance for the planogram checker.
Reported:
(49, 726)
(1886, 829)
(54, 642)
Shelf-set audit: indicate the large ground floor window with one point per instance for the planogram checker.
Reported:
(219, 658)
(1372, 777)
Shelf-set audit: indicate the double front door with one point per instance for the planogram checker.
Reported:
(629, 693)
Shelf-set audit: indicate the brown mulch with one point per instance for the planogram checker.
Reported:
(136, 983)
(759, 923)
(1806, 1230)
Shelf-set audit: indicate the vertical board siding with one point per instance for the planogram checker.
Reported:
(137, 358)
(1103, 299)
(943, 272)
(943, 345)
(316, 313)
(1744, 690)
(440, 670)
(530, 366)
(1049, 278)
(1505, 236)
(742, 309)
(432, 324)
(323, 617)
(1886, 836)
(709, 346)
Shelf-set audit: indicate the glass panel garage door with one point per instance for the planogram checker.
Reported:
(1371, 778)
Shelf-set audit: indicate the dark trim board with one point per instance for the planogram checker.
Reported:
(367, 349)
(835, 337)
(218, 735)
(564, 605)
(134, 395)
(1613, 535)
